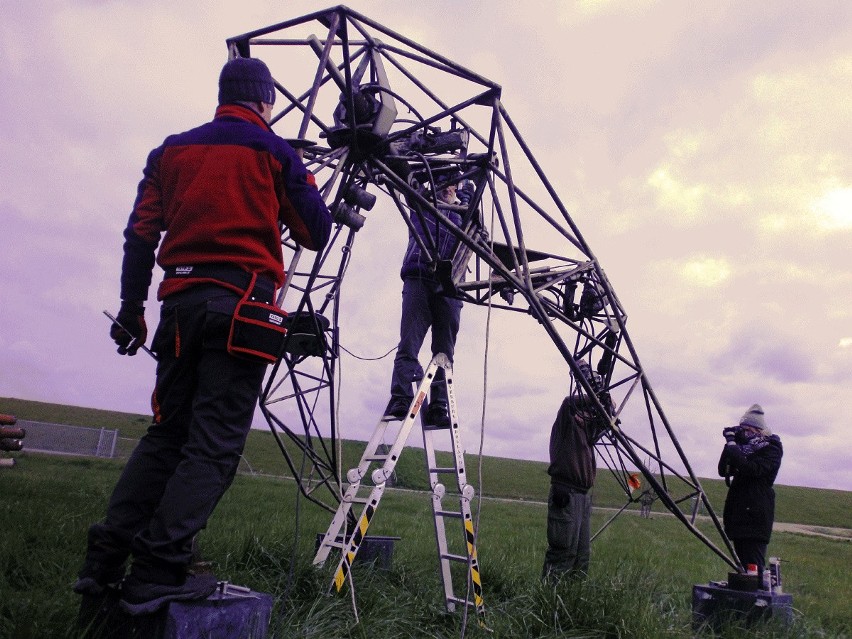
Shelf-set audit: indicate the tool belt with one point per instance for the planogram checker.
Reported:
(258, 326)
(262, 288)
(257, 329)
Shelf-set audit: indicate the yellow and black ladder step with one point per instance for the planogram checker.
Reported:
(354, 543)
(476, 581)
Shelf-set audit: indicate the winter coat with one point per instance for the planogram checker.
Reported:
(572, 444)
(414, 263)
(219, 193)
(750, 504)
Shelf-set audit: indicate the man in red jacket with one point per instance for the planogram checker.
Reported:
(219, 195)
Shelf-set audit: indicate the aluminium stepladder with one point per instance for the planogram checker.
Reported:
(342, 535)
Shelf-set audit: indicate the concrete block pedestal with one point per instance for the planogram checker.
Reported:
(713, 605)
(232, 612)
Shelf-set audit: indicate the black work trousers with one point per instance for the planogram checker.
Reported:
(751, 551)
(203, 405)
(569, 516)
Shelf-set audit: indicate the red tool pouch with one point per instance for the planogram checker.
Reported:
(257, 329)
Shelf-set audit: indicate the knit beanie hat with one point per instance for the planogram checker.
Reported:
(246, 80)
(754, 417)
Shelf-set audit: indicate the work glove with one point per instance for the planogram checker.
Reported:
(129, 331)
(730, 435)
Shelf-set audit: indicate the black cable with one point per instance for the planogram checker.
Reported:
(366, 359)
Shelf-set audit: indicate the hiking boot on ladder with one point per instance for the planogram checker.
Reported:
(397, 408)
(437, 415)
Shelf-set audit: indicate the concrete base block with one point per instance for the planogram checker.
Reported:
(230, 613)
(374, 549)
(714, 606)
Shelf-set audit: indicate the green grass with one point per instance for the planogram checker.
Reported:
(640, 583)
(262, 536)
(507, 478)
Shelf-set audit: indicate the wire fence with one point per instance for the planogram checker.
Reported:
(63, 439)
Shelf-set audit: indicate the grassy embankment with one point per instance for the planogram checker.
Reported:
(640, 582)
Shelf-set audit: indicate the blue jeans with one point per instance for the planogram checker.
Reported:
(568, 533)
(203, 403)
(424, 306)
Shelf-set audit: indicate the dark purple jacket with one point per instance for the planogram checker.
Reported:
(414, 263)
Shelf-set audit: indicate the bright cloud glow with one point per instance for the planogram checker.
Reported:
(706, 271)
(685, 144)
(845, 342)
(596, 6)
(834, 209)
(675, 196)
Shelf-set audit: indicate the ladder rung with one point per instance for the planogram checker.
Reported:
(448, 513)
(443, 470)
(336, 544)
(450, 557)
(459, 600)
(356, 500)
(376, 458)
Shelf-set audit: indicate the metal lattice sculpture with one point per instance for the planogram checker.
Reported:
(358, 77)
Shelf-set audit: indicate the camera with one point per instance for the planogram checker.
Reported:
(432, 141)
(738, 434)
(347, 215)
(744, 435)
(591, 300)
(597, 384)
(354, 197)
(595, 380)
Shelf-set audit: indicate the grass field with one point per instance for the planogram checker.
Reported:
(261, 536)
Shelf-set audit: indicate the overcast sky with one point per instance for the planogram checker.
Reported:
(704, 149)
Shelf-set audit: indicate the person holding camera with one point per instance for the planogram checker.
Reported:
(219, 195)
(578, 425)
(749, 463)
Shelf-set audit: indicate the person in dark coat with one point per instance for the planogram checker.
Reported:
(749, 463)
(572, 471)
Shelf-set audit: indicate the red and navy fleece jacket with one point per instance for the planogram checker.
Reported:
(218, 194)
